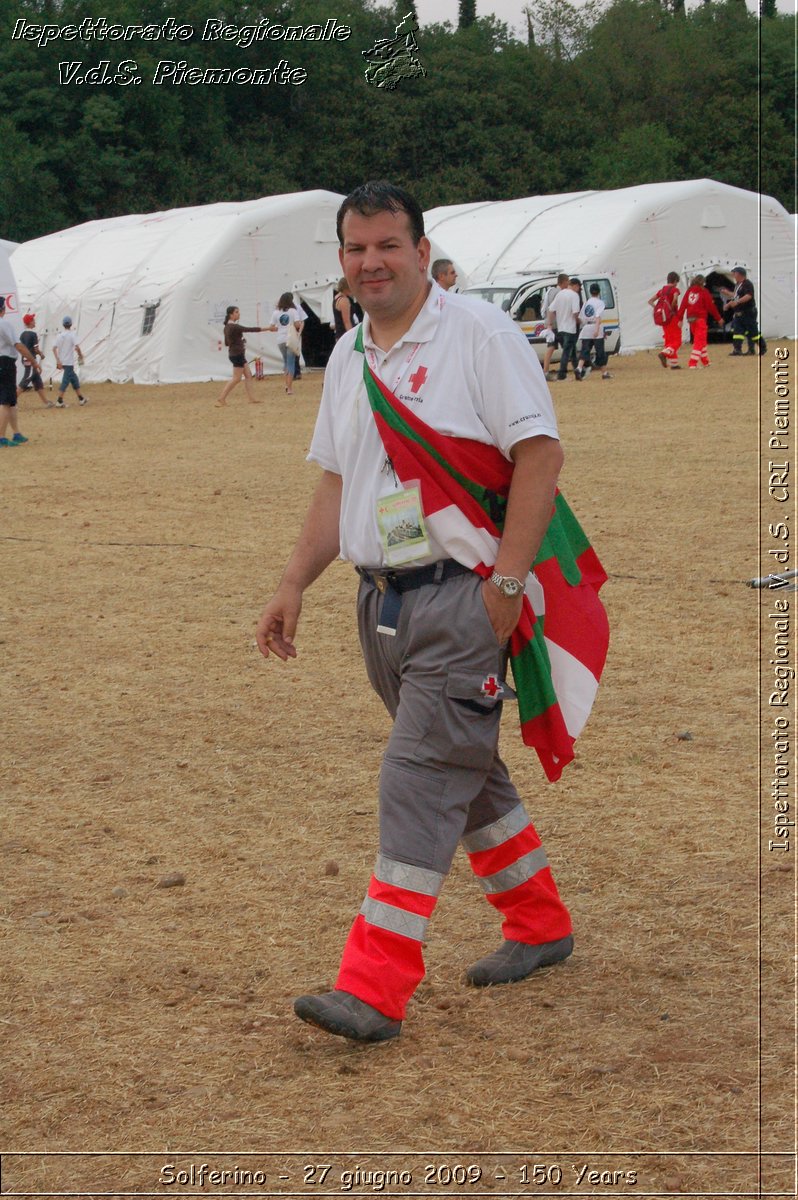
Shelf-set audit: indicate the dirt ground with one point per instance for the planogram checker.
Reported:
(145, 736)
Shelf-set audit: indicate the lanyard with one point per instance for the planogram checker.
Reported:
(404, 368)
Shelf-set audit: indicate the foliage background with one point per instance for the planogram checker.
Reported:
(596, 97)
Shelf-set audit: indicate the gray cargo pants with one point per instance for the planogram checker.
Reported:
(441, 774)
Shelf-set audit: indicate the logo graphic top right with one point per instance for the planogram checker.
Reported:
(396, 58)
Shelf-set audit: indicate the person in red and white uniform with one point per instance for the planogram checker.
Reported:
(466, 370)
(672, 329)
(697, 304)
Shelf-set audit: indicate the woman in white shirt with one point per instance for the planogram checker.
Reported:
(287, 323)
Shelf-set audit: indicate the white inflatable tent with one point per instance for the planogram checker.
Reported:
(8, 286)
(639, 234)
(147, 293)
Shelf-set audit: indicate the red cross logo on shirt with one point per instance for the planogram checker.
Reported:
(417, 380)
(491, 686)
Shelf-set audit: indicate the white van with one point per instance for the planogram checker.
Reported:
(524, 298)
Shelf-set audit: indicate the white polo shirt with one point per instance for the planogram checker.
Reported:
(464, 367)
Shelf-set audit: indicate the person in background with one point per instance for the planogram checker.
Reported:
(346, 313)
(741, 307)
(9, 349)
(592, 334)
(562, 314)
(698, 305)
(443, 273)
(552, 341)
(236, 345)
(66, 350)
(668, 299)
(32, 377)
(283, 318)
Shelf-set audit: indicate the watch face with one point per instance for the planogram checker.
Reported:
(511, 587)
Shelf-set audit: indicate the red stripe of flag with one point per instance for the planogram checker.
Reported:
(575, 617)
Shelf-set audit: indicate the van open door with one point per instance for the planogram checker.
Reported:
(530, 304)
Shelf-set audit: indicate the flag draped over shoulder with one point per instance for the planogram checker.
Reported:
(558, 648)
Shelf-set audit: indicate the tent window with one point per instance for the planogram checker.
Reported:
(148, 320)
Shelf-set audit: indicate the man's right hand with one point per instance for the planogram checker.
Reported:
(277, 625)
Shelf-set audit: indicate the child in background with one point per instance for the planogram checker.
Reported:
(592, 330)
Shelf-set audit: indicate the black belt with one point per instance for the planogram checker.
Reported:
(392, 584)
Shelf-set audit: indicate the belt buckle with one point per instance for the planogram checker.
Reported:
(381, 582)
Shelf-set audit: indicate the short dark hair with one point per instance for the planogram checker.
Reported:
(573, 280)
(595, 290)
(380, 196)
(673, 276)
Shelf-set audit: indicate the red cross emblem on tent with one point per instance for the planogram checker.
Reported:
(418, 378)
(491, 686)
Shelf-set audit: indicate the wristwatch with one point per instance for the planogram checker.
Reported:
(507, 585)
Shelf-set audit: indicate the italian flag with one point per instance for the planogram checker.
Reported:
(560, 644)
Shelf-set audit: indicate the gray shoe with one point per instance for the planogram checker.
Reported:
(515, 960)
(345, 1015)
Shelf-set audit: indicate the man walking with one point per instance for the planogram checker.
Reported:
(10, 347)
(66, 349)
(32, 378)
(665, 304)
(699, 306)
(562, 314)
(439, 454)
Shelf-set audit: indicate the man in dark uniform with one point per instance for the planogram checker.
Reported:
(741, 308)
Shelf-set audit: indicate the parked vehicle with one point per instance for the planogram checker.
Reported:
(524, 298)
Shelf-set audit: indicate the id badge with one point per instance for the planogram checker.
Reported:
(401, 524)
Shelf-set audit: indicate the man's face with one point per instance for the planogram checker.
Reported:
(447, 277)
(385, 270)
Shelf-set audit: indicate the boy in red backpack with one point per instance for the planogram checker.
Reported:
(698, 304)
(665, 302)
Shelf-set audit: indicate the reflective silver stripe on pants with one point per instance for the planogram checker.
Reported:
(499, 831)
(518, 873)
(403, 875)
(395, 920)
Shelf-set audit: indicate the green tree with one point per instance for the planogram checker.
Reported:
(644, 154)
(467, 10)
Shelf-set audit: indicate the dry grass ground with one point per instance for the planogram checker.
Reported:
(144, 735)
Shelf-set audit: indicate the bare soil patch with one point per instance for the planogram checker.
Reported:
(145, 736)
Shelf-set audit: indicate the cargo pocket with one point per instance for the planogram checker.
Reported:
(465, 729)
